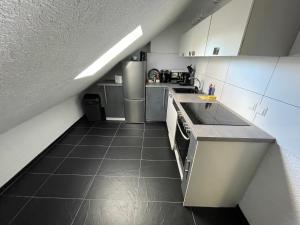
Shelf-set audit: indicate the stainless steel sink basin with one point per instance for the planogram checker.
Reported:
(186, 91)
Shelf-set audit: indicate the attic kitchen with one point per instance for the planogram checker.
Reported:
(179, 123)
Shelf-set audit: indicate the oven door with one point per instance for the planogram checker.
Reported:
(182, 141)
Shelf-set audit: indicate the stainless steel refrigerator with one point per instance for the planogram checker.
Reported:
(134, 73)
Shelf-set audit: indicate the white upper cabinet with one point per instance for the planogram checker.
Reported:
(186, 44)
(199, 37)
(227, 28)
(193, 42)
(247, 27)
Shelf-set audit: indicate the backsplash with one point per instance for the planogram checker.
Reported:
(265, 91)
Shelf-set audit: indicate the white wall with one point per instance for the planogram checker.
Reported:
(249, 86)
(295, 51)
(21, 144)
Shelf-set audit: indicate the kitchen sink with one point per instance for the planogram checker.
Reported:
(186, 91)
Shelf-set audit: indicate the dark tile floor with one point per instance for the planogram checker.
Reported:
(106, 173)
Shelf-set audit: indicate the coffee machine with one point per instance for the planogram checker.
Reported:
(186, 77)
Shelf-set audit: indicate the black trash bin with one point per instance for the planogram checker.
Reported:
(92, 107)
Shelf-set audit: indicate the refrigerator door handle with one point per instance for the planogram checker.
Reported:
(164, 96)
(105, 96)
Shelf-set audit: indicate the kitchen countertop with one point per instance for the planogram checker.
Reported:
(210, 132)
(221, 132)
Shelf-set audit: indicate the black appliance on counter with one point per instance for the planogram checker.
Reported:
(186, 77)
(165, 76)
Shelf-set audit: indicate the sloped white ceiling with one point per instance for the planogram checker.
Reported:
(46, 43)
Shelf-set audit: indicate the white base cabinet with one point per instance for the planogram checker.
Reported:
(171, 120)
(220, 172)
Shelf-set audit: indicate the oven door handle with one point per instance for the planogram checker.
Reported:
(182, 134)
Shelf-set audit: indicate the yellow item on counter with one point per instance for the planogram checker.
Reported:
(208, 97)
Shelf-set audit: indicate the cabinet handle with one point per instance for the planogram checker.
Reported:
(264, 112)
(254, 107)
(105, 96)
(164, 96)
(216, 51)
(187, 165)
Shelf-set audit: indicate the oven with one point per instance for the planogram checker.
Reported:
(182, 142)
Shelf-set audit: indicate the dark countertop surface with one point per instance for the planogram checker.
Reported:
(249, 133)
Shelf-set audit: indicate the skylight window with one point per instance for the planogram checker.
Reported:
(111, 53)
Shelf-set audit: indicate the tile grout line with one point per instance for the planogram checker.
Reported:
(193, 217)
(94, 177)
(44, 182)
(138, 186)
(89, 199)
(87, 213)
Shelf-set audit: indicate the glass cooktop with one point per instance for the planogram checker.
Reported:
(212, 114)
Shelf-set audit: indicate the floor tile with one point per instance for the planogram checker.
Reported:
(156, 133)
(79, 166)
(65, 186)
(124, 153)
(156, 125)
(59, 150)
(27, 185)
(159, 169)
(85, 151)
(78, 130)
(127, 141)
(48, 212)
(96, 140)
(156, 142)
(120, 167)
(102, 132)
(160, 189)
(83, 122)
(70, 140)
(106, 212)
(158, 154)
(150, 213)
(114, 188)
(9, 206)
(46, 165)
(107, 124)
(132, 126)
(130, 133)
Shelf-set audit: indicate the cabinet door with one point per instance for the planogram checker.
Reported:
(188, 163)
(199, 37)
(186, 44)
(171, 120)
(115, 101)
(156, 104)
(227, 28)
(103, 96)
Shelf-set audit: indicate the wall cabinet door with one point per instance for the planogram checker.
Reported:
(199, 37)
(114, 106)
(186, 44)
(156, 103)
(171, 120)
(227, 28)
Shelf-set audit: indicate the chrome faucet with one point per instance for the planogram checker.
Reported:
(200, 86)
